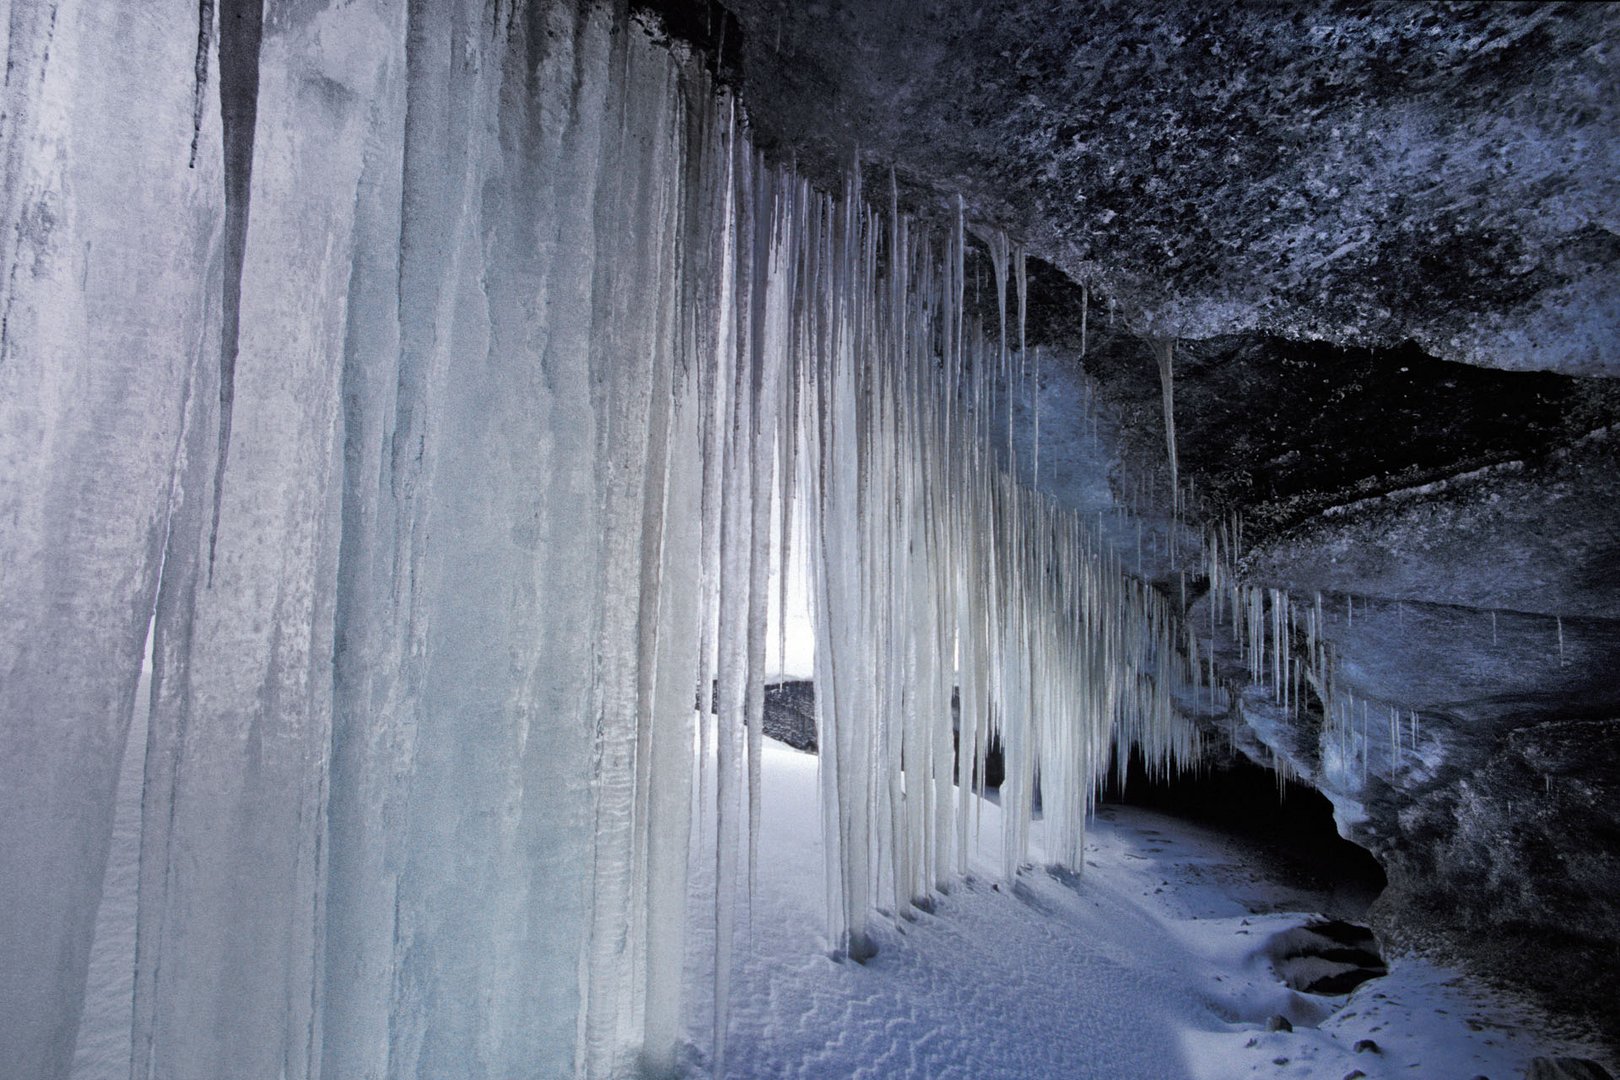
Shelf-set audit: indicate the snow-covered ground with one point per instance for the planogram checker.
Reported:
(1153, 963)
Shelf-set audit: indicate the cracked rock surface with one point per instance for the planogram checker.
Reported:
(1355, 173)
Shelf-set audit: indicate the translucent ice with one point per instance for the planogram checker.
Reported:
(441, 402)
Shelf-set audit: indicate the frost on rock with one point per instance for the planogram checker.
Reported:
(530, 344)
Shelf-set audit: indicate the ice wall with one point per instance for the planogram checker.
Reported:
(441, 383)
(108, 321)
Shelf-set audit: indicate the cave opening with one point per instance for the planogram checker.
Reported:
(1288, 823)
(658, 499)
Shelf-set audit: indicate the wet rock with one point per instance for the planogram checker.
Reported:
(1329, 957)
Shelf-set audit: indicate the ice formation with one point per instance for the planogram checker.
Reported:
(451, 483)
(1293, 665)
(1164, 352)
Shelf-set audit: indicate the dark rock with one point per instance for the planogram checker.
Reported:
(1367, 1046)
(1279, 1022)
(1566, 1068)
(1508, 860)
(790, 714)
(1364, 174)
(1307, 438)
(1328, 957)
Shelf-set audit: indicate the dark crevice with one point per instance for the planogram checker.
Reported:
(241, 26)
(1283, 430)
(1293, 824)
(706, 26)
(205, 39)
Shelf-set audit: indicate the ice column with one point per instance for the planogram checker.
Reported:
(106, 335)
(438, 404)
(233, 864)
(926, 546)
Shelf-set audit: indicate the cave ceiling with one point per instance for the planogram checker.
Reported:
(1360, 174)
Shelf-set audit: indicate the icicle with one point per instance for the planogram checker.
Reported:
(1035, 479)
(1021, 278)
(1164, 351)
(1085, 313)
(743, 345)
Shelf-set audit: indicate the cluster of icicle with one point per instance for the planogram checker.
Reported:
(1285, 644)
(925, 548)
(847, 354)
(524, 347)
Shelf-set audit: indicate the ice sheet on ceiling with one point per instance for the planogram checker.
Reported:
(443, 422)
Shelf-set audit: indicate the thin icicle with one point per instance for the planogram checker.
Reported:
(1035, 480)
(1085, 314)
(1164, 351)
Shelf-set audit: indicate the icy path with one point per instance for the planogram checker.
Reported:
(1153, 965)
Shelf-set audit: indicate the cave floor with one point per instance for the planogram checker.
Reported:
(1153, 963)
(1156, 962)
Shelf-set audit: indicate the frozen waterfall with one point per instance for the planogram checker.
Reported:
(444, 411)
